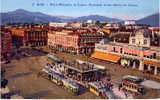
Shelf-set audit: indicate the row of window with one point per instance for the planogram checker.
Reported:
(144, 42)
(151, 57)
(114, 50)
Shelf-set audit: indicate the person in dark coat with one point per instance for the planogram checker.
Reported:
(4, 82)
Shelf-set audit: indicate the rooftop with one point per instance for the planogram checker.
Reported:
(83, 67)
(153, 48)
(106, 56)
(134, 79)
(145, 32)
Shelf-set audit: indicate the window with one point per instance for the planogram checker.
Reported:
(114, 49)
(145, 41)
(133, 41)
(154, 55)
(121, 50)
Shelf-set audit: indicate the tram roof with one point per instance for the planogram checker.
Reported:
(134, 79)
(83, 66)
(81, 70)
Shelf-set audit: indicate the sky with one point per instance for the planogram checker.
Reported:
(124, 9)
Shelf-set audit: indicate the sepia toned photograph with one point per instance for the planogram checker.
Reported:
(80, 49)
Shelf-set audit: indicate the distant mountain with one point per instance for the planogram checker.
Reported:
(65, 17)
(23, 16)
(152, 20)
(95, 17)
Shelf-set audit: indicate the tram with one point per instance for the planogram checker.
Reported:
(98, 89)
(62, 81)
(56, 78)
(71, 86)
(132, 84)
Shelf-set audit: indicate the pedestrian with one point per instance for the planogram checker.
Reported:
(119, 88)
(125, 94)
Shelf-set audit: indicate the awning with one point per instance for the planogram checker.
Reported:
(152, 63)
(106, 56)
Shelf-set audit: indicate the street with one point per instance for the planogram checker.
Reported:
(22, 76)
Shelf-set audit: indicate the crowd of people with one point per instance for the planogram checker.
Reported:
(56, 67)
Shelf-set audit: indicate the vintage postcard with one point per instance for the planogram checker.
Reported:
(80, 49)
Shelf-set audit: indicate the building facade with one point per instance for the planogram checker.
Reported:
(147, 39)
(79, 42)
(6, 45)
(156, 30)
(30, 36)
(130, 22)
(141, 38)
(55, 24)
(75, 25)
(137, 54)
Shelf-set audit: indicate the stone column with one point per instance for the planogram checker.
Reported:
(149, 67)
(128, 63)
(77, 50)
(134, 65)
(141, 65)
(155, 70)
(89, 50)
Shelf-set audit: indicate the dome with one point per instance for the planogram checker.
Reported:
(145, 32)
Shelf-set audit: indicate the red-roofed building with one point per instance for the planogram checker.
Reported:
(30, 36)
(137, 54)
(80, 41)
(6, 44)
